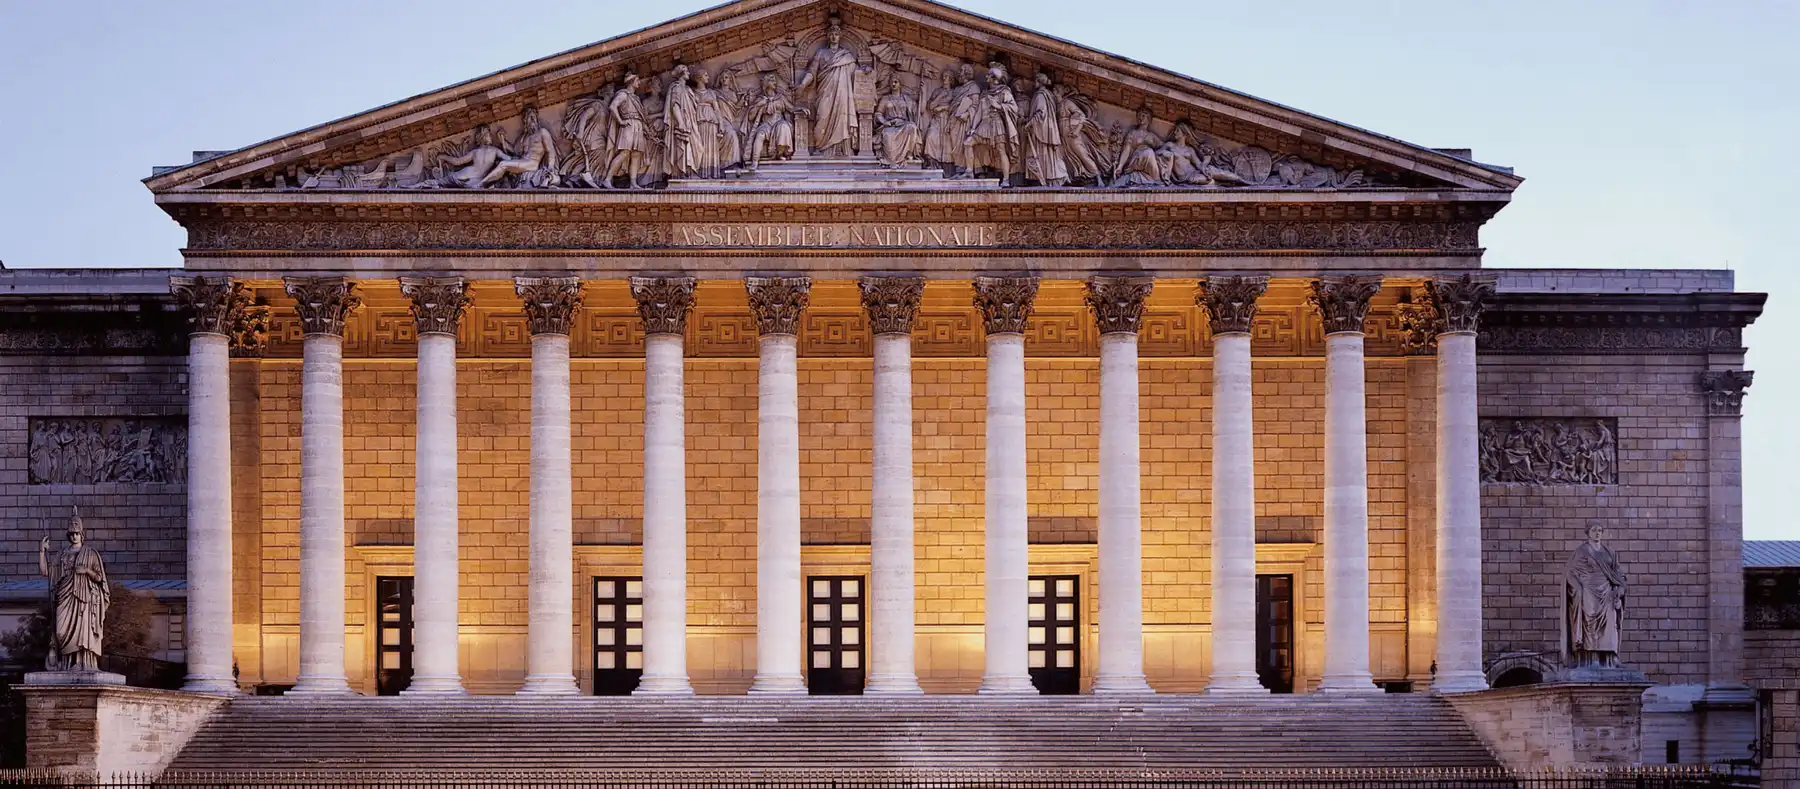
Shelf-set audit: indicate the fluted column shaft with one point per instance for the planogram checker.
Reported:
(1231, 306)
(778, 303)
(663, 305)
(1118, 306)
(549, 305)
(892, 304)
(1346, 487)
(1006, 305)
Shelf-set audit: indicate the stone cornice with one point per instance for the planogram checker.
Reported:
(891, 302)
(1230, 302)
(1565, 323)
(437, 303)
(323, 303)
(1005, 303)
(1117, 302)
(778, 303)
(550, 302)
(663, 303)
(1343, 301)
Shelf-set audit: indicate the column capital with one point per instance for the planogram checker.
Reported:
(1725, 391)
(1230, 302)
(1005, 302)
(892, 303)
(213, 305)
(322, 302)
(1460, 300)
(437, 302)
(550, 302)
(1343, 301)
(1118, 302)
(663, 302)
(778, 302)
(1420, 323)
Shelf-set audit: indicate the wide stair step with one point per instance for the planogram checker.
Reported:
(833, 734)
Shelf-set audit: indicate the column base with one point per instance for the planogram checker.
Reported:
(448, 685)
(1459, 682)
(1235, 685)
(663, 686)
(778, 685)
(893, 685)
(1005, 685)
(549, 685)
(1122, 685)
(1351, 684)
(199, 683)
(321, 686)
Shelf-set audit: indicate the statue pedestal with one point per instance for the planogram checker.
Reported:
(76, 677)
(1559, 725)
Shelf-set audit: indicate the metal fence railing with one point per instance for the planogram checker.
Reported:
(1676, 777)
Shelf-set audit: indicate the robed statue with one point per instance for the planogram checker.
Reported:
(79, 594)
(831, 74)
(1594, 604)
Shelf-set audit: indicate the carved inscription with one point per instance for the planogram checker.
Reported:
(834, 236)
(93, 451)
(1549, 451)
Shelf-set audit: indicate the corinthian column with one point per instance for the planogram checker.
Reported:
(550, 305)
(892, 303)
(215, 309)
(663, 304)
(323, 304)
(778, 303)
(1118, 307)
(1005, 304)
(1230, 304)
(1342, 303)
(1458, 304)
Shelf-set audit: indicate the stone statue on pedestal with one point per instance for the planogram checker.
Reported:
(80, 595)
(1593, 604)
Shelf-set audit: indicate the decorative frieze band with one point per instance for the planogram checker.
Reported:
(778, 302)
(1725, 390)
(1230, 302)
(323, 303)
(550, 302)
(663, 303)
(437, 302)
(1549, 451)
(1005, 302)
(892, 303)
(1118, 302)
(1343, 301)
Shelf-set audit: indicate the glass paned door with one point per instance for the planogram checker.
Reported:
(394, 629)
(618, 635)
(1275, 632)
(835, 613)
(1054, 633)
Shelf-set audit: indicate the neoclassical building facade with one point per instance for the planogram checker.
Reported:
(876, 347)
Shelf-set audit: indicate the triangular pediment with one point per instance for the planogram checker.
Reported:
(1199, 135)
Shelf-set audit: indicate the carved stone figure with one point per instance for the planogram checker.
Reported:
(477, 161)
(993, 138)
(1083, 141)
(99, 451)
(719, 143)
(1593, 603)
(769, 124)
(898, 141)
(531, 158)
(1189, 160)
(1137, 164)
(940, 148)
(1548, 452)
(964, 102)
(80, 595)
(830, 74)
(682, 138)
(628, 137)
(1043, 148)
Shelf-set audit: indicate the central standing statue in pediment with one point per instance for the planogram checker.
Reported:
(830, 74)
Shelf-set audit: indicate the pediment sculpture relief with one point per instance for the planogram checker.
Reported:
(834, 95)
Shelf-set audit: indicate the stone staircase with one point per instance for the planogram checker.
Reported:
(834, 734)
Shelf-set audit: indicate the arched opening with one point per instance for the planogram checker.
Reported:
(1517, 676)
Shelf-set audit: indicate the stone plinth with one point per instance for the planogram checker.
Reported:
(74, 678)
(1558, 725)
(108, 729)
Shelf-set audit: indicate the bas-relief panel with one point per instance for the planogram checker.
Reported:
(99, 450)
(832, 92)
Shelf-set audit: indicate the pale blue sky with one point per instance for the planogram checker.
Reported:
(1652, 134)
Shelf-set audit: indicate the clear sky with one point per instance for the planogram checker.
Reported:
(1652, 134)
